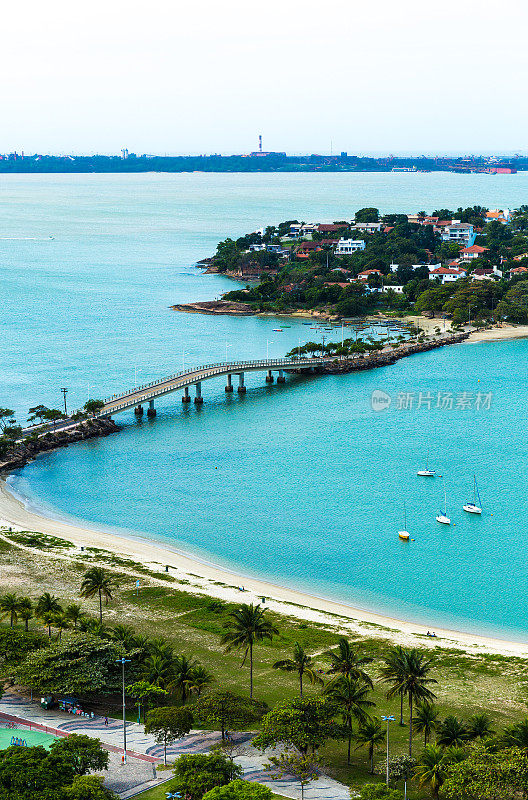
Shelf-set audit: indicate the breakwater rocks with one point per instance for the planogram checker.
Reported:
(27, 450)
(216, 307)
(383, 359)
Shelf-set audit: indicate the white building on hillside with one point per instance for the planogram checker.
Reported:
(347, 246)
(459, 233)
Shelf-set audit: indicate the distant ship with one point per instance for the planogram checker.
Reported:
(404, 169)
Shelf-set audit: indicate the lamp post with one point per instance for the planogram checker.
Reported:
(64, 393)
(387, 720)
(123, 661)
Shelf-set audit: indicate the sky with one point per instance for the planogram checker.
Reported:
(173, 77)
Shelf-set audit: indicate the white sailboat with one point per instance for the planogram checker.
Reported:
(404, 535)
(443, 518)
(426, 473)
(474, 507)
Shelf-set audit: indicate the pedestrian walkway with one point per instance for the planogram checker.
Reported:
(142, 746)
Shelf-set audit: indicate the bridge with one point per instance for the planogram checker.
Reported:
(181, 381)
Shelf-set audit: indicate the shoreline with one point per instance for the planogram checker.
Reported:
(207, 578)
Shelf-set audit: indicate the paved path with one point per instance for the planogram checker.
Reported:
(145, 748)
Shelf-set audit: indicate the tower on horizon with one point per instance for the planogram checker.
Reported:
(260, 143)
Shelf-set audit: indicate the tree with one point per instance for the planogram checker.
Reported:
(348, 662)
(517, 735)
(53, 415)
(79, 665)
(97, 581)
(302, 664)
(25, 611)
(240, 790)
(74, 613)
(247, 626)
(93, 406)
(88, 787)
(227, 711)
(391, 673)
(6, 417)
(168, 724)
(197, 774)
(38, 412)
(486, 775)
(370, 735)
(304, 723)
(432, 769)
(378, 791)
(82, 752)
(145, 694)
(425, 720)
(303, 768)
(479, 727)
(158, 669)
(182, 672)
(350, 698)
(125, 635)
(452, 733)
(411, 678)
(367, 215)
(198, 680)
(47, 603)
(16, 644)
(9, 605)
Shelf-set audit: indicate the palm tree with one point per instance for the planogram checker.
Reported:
(160, 647)
(124, 634)
(9, 604)
(182, 673)
(348, 662)
(75, 614)
(247, 626)
(517, 735)
(452, 733)
(371, 734)
(412, 682)
(199, 680)
(350, 698)
(392, 672)
(60, 622)
(479, 727)
(302, 664)
(158, 670)
(97, 581)
(432, 768)
(25, 611)
(95, 628)
(425, 720)
(46, 604)
(47, 618)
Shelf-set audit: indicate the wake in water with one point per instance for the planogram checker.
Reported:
(26, 238)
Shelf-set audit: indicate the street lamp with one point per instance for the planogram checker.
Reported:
(387, 720)
(268, 342)
(124, 661)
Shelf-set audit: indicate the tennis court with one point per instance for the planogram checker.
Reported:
(31, 738)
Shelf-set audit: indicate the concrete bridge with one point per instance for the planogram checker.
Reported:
(146, 394)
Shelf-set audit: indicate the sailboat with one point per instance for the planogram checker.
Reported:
(443, 518)
(426, 473)
(404, 535)
(474, 508)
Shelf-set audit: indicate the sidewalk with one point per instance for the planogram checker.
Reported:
(143, 748)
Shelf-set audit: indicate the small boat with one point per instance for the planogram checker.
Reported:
(404, 535)
(443, 518)
(474, 508)
(426, 473)
(277, 330)
(307, 323)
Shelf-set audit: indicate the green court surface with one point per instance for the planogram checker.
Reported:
(32, 738)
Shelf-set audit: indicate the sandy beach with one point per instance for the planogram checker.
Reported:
(206, 578)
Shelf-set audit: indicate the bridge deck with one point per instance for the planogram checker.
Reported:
(180, 380)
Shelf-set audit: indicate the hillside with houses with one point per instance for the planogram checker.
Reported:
(468, 263)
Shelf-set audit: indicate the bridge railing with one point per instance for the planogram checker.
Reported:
(238, 365)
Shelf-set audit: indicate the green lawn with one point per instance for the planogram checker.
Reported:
(159, 794)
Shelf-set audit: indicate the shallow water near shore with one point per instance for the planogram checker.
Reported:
(303, 484)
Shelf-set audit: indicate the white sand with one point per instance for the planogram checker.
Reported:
(290, 602)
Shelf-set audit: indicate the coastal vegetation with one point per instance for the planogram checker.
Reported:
(294, 269)
(463, 714)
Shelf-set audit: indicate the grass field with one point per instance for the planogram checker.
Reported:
(467, 683)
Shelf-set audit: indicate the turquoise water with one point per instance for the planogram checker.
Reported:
(303, 484)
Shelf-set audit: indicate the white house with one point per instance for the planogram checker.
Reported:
(347, 246)
(395, 288)
(447, 274)
(395, 267)
(459, 233)
(256, 248)
(367, 227)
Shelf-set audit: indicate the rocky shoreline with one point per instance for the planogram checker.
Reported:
(27, 450)
(216, 307)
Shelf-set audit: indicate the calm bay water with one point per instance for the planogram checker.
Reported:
(306, 470)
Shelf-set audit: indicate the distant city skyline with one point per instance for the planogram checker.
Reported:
(169, 78)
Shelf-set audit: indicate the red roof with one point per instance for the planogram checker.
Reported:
(519, 269)
(476, 248)
(328, 228)
(447, 271)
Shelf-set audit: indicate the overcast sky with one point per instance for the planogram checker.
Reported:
(384, 76)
